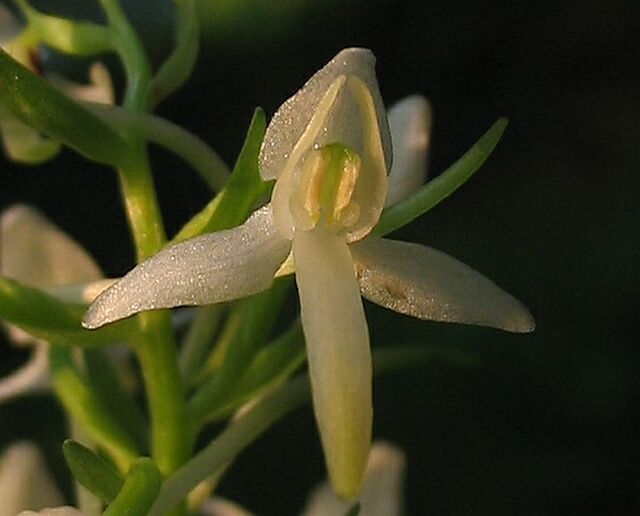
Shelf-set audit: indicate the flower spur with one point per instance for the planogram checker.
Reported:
(329, 149)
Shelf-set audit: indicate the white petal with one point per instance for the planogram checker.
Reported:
(37, 253)
(212, 268)
(294, 116)
(25, 481)
(30, 378)
(428, 284)
(339, 356)
(99, 90)
(381, 492)
(410, 123)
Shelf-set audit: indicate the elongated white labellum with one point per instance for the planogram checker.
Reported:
(338, 352)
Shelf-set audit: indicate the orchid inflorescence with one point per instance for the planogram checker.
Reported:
(346, 172)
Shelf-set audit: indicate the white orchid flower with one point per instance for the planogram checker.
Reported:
(22, 143)
(329, 149)
(25, 481)
(36, 253)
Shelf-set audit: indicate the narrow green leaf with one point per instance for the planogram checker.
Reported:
(140, 489)
(273, 364)
(92, 471)
(233, 204)
(102, 374)
(86, 406)
(198, 341)
(72, 37)
(442, 186)
(259, 315)
(38, 104)
(47, 318)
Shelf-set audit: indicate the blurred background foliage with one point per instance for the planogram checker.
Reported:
(547, 423)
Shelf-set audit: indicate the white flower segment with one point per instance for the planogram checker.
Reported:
(329, 149)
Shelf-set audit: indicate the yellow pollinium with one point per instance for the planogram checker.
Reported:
(327, 183)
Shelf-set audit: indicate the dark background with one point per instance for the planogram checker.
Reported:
(546, 423)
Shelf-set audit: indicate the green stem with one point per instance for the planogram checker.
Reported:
(156, 348)
(141, 203)
(170, 437)
(178, 66)
(204, 160)
(132, 54)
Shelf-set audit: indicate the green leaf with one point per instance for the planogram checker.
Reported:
(197, 342)
(442, 186)
(92, 471)
(44, 108)
(140, 489)
(272, 365)
(47, 318)
(72, 37)
(233, 204)
(258, 315)
(105, 379)
(87, 407)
